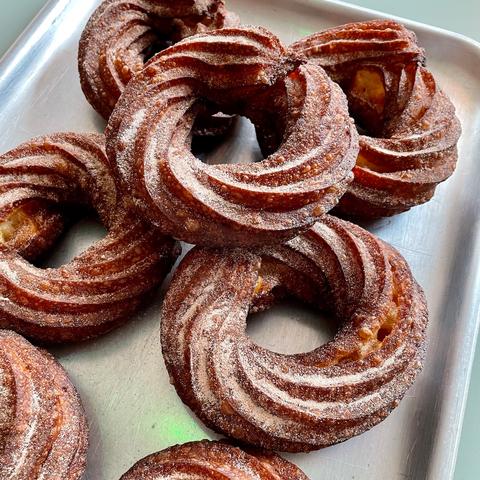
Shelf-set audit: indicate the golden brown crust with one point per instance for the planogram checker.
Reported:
(121, 35)
(30, 228)
(213, 460)
(104, 285)
(306, 401)
(341, 50)
(411, 130)
(243, 71)
(43, 430)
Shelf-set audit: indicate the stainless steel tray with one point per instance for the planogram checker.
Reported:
(132, 408)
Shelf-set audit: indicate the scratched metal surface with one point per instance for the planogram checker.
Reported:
(132, 408)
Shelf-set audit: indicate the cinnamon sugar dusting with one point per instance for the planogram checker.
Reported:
(122, 35)
(411, 130)
(48, 434)
(101, 287)
(306, 401)
(250, 204)
(205, 459)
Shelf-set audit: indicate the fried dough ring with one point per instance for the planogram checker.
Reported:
(104, 285)
(410, 127)
(305, 401)
(43, 430)
(240, 71)
(122, 34)
(213, 460)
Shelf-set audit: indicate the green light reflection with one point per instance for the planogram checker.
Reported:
(171, 428)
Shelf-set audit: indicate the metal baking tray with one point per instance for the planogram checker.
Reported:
(132, 408)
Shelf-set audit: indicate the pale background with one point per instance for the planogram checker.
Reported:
(462, 16)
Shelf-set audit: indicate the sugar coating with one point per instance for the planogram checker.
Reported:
(102, 286)
(245, 71)
(410, 145)
(120, 33)
(295, 402)
(204, 460)
(47, 437)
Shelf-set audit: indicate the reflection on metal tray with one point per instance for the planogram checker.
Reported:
(133, 410)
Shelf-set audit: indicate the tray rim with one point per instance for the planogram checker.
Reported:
(443, 455)
(52, 6)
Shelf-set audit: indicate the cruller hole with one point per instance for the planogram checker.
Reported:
(291, 326)
(238, 145)
(77, 238)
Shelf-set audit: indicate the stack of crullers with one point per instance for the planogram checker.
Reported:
(351, 124)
